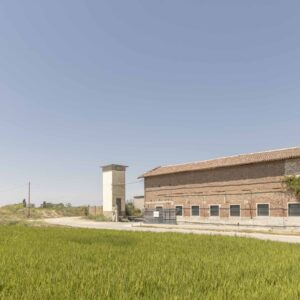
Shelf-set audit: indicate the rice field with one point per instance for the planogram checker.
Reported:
(63, 263)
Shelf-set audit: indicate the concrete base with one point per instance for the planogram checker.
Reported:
(256, 221)
(110, 214)
(107, 214)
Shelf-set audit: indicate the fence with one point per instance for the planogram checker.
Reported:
(160, 216)
(95, 211)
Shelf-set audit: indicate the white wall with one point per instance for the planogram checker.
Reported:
(107, 181)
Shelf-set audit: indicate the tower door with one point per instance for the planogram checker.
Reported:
(118, 204)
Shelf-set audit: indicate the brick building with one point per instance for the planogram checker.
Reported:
(229, 189)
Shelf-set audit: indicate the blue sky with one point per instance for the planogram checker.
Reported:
(143, 83)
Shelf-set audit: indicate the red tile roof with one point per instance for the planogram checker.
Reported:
(243, 159)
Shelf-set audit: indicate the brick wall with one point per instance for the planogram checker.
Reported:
(292, 167)
(245, 185)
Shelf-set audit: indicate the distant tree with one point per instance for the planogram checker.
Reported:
(86, 211)
(129, 209)
(24, 203)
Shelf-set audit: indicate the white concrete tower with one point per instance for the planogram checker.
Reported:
(114, 191)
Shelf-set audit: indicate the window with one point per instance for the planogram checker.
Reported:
(294, 209)
(263, 210)
(158, 208)
(195, 211)
(178, 210)
(235, 210)
(214, 210)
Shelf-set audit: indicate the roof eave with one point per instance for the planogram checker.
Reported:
(148, 174)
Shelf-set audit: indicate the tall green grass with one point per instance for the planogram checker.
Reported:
(60, 263)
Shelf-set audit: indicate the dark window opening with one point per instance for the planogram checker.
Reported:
(214, 210)
(235, 210)
(195, 211)
(119, 205)
(294, 209)
(178, 210)
(263, 210)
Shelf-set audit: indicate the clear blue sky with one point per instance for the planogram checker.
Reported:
(143, 83)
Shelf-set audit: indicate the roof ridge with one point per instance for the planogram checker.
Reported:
(223, 157)
(226, 161)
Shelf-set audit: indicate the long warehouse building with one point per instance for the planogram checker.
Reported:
(248, 186)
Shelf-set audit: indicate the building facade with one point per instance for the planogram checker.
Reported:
(244, 188)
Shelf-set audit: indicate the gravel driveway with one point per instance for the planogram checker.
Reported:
(84, 223)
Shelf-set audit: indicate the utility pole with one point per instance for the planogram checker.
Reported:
(29, 199)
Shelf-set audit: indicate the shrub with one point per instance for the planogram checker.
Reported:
(292, 184)
(130, 210)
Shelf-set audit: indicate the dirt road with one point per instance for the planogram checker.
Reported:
(84, 223)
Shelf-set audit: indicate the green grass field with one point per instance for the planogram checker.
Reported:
(62, 263)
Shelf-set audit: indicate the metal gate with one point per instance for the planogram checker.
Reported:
(160, 215)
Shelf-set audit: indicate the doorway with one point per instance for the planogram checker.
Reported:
(119, 205)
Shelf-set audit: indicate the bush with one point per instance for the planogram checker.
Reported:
(292, 184)
(52, 205)
(130, 210)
